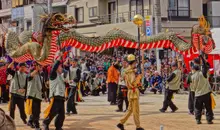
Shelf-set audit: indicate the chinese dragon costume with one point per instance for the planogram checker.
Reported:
(58, 33)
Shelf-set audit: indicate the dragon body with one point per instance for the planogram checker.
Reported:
(54, 36)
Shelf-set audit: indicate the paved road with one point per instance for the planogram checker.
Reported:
(96, 114)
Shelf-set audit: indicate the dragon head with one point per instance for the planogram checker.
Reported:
(202, 36)
(57, 21)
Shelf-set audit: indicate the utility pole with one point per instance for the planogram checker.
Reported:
(33, 19)
(157, 15)
(49, 6)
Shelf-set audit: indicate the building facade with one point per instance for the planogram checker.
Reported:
(19, 15)
(97, 17)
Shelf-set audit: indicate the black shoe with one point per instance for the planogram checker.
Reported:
(58, 129)
(74, 112)
(125, 110)
(68, 113)
(161, 110)
(140, 129)
(174, 110)
(46, 127)
(76, 104)
(30, 124)
(198, 122)
(119, 110)
(37, 128)
(209, 122)
(121, 126)
(24, 121)
(113, 103)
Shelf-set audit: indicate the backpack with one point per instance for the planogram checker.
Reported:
(6, 122)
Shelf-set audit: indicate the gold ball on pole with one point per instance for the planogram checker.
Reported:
(138, 20)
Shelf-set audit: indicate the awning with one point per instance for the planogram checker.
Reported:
(216, 38)
(57, 4)
(5, 12)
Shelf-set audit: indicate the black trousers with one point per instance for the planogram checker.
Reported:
(103, 89)
(95, 92)
(109, 95)
(35, 117)
(5, 94)
(19, 101)
(122, 97)
(200, 102)
(191, 101)
(112, 92)
(82, 88)
(58, 111)
(71, 100)
(168, 100)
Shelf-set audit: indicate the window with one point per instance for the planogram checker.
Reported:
(112, 12)
(17, 3)
(136, 6)
(79, 15)
(29, 27)
(93, 12)
(27, 2)
(179, 8)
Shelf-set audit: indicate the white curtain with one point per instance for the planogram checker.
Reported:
(173, 7)
(80, 14)
(183, 7)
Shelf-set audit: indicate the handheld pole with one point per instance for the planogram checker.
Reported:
(139, 50)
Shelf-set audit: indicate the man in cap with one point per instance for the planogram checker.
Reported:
(123, 90)
(73, 77)
(132, 82)
(18, 89)
(57, 97)
(200, 85)
(172, 86)
(34, 96)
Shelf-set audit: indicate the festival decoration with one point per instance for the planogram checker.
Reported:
(57, 28)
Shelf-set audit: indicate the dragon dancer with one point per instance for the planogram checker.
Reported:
(18, 87)
(57, 97)
(74, 76)
(122, 90)
(172, 86)
(34, 97)
(132, 82)
(200, 85)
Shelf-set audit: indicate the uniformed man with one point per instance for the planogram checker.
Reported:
(73, 79)
(57, 97)
(200, 85)
(172, 86)
(132, 82)
(17, 89)
(191, 94)
(123, 90)
(34, 97)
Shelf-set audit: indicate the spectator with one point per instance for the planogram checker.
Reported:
(106, 64)
(147, 63)
(156, 83)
